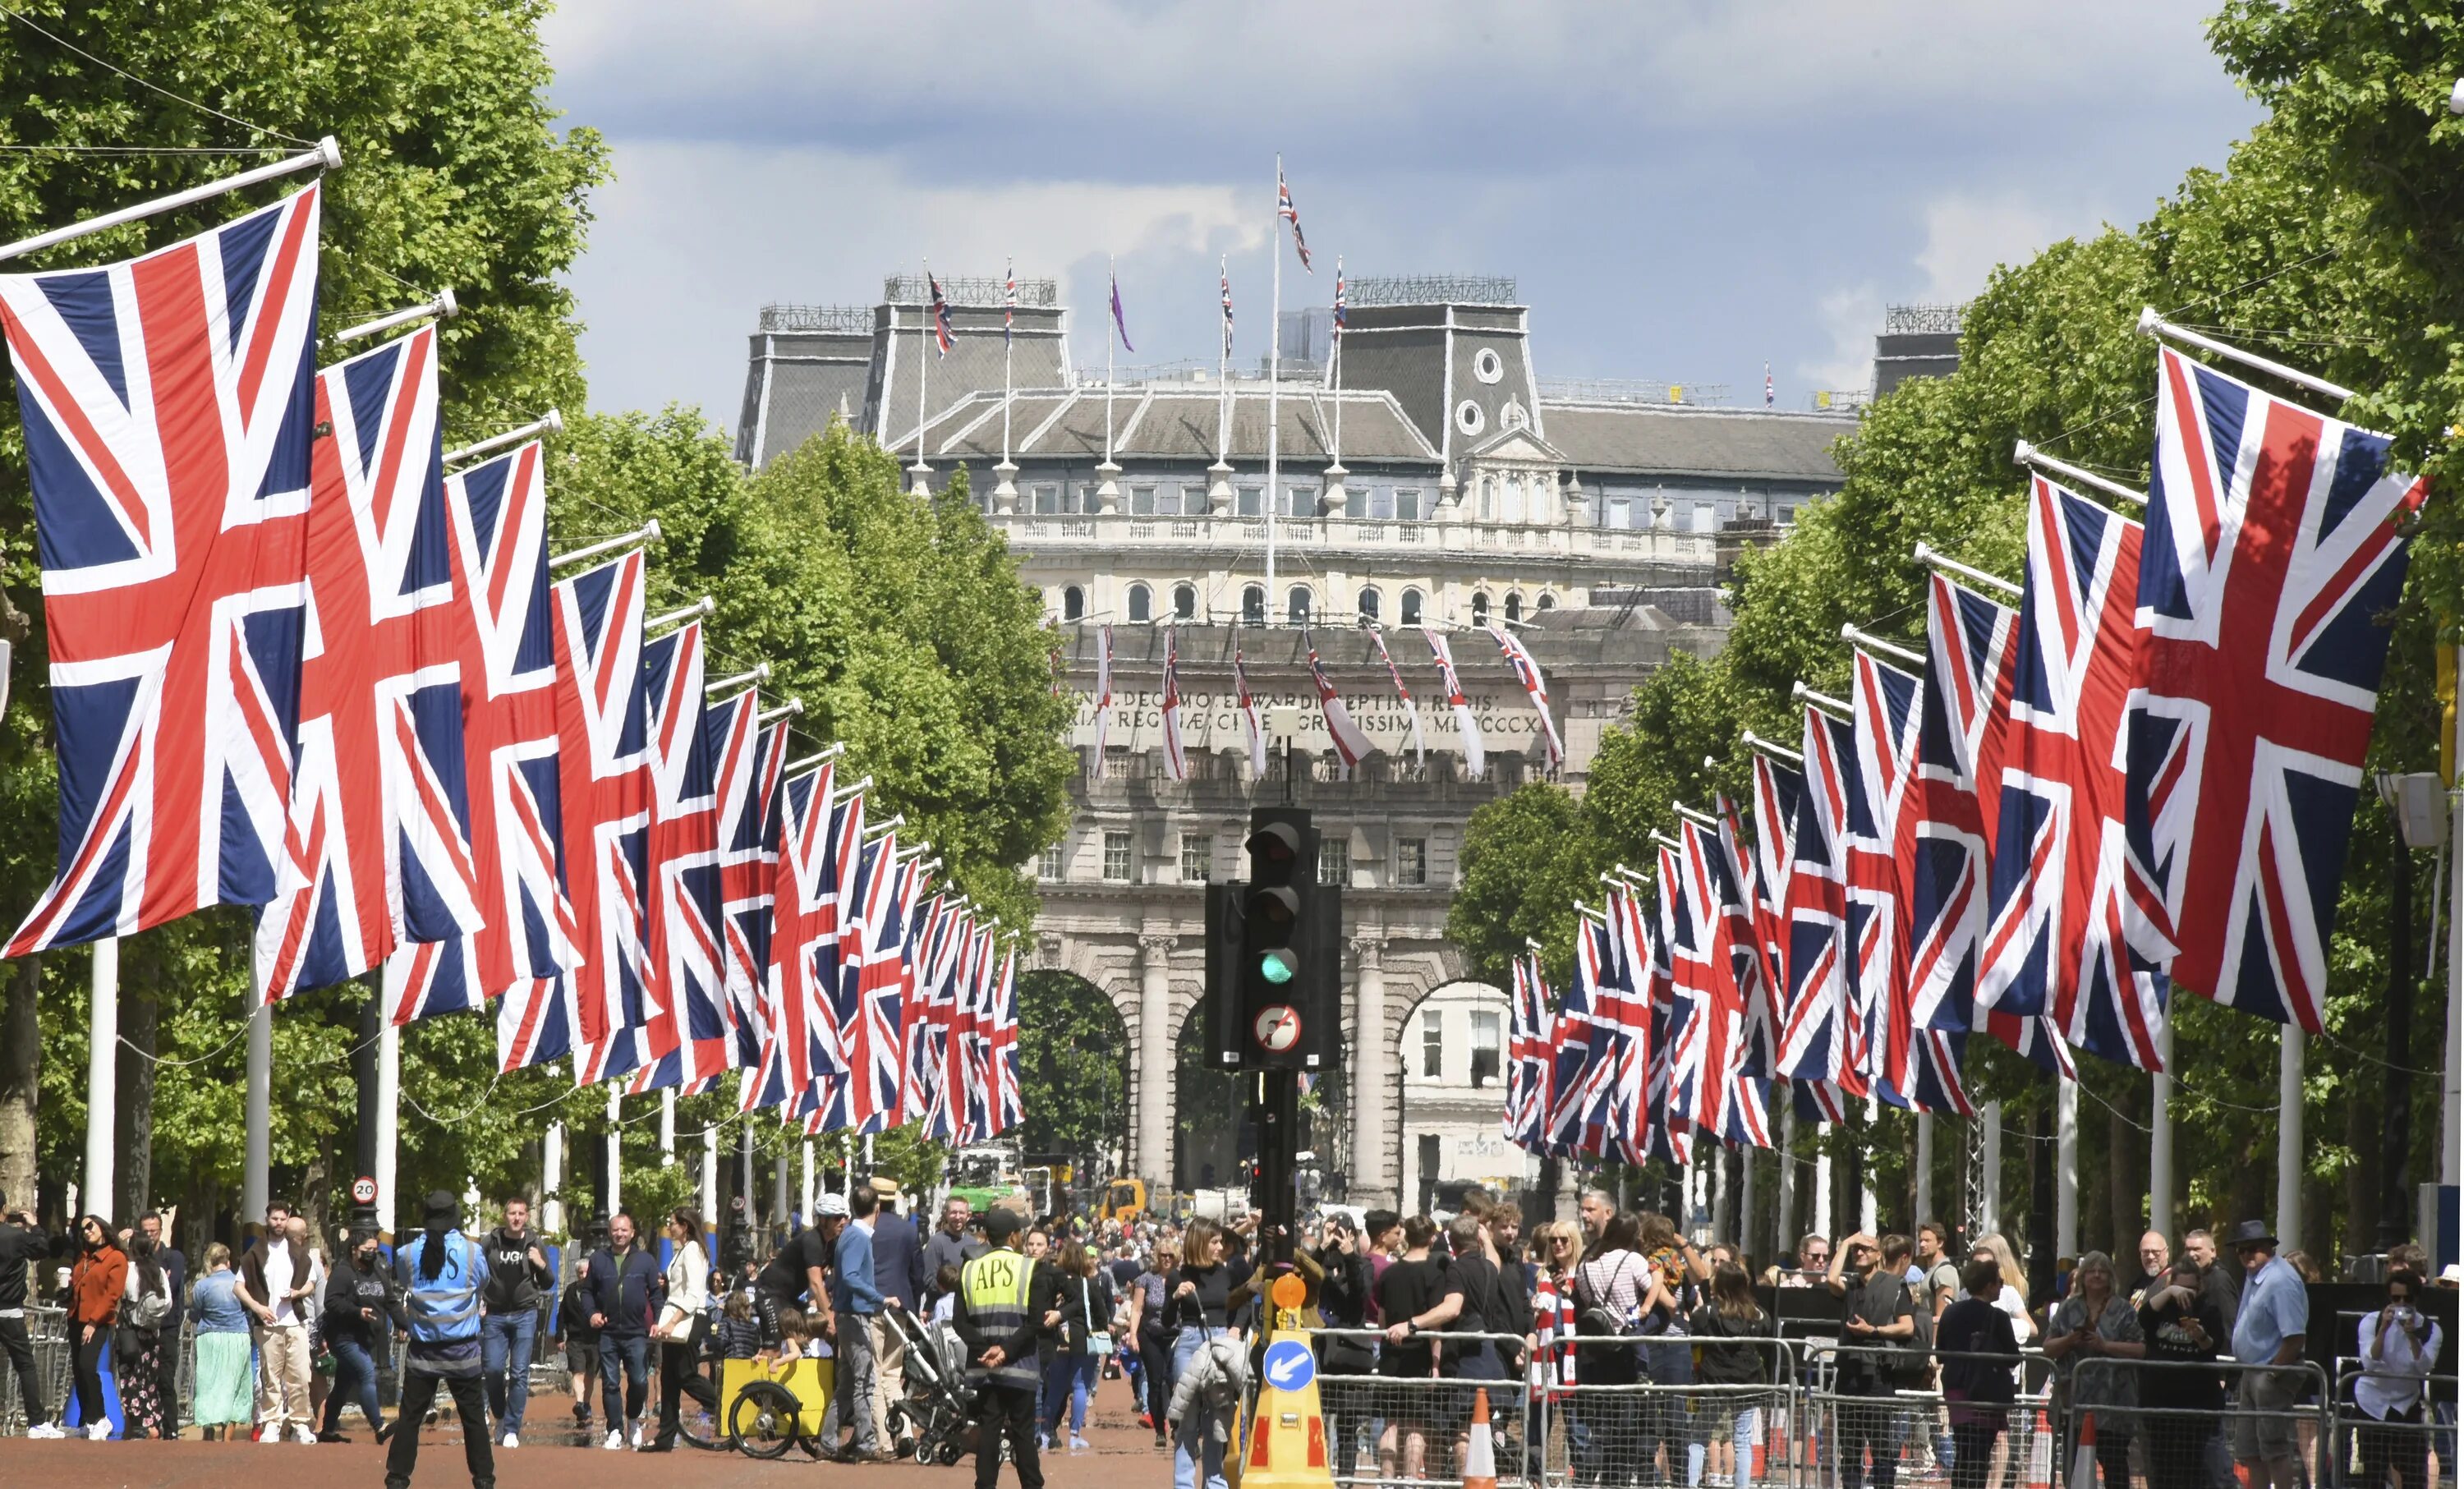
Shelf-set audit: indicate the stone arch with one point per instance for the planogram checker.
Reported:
(1077, 1075)
(1446, 1127)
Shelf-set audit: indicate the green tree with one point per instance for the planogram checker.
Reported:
(1073, 1065)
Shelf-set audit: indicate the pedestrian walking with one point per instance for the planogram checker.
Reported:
(1977, 1390)
(1085, 1342)
(624, 1287)
(898, 1270)
(1151, 1326)
(224, 1386)
(362, 1312)
(95, 1285)
(996, 1319)
(275, 1280)
(441, 1273)
(136, 1347)
(23, 1241)
(175, 1266)
(518, 1277)
(683, 1329)
(855, 1298)
(579, 1339)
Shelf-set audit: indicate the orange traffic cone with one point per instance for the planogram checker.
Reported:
(2083, 1456)
(1480, 1456)
(2040, 1454)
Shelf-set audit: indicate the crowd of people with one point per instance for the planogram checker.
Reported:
(2189, 1361)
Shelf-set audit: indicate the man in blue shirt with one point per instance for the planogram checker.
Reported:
(855, 1296)
(2269, 1329)
(898, 1270)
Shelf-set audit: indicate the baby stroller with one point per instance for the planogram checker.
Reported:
(936, 1420)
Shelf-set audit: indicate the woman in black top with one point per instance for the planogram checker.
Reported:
(2182, 1405)
(1343, 1302)
(1414, 1296)
(1734, 1415)
(1195, 1297)
(1978, 1391)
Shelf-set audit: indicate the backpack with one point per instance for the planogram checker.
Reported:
(151, 1308)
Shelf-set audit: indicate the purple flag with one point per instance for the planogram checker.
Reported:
(1118, 323)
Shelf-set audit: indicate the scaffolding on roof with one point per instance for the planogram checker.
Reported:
(1923, 319)
(1633, 391)
(975, 293)
(856, 319)
(1432, 290)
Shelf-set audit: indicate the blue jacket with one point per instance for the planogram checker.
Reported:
(852, 1287)
(443, 1311)
(898, 1259)
(627, 1295)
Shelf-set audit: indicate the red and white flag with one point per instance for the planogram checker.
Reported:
(1174, 759)
(1519, 657)
(1475, 756)
(1350, 742)
(1419, 748)
(1251, 725)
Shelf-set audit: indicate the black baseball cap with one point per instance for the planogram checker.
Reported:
(1002, 1224)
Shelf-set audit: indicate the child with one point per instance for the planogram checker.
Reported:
(945, 1293)
(581, 1342)
(739, 1332)
(794, 1334)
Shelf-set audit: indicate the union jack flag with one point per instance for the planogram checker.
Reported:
(942, 342)
(1884, 711)
(922, 1031)
(1679, 1020)
(1519, 657)
(747, 762)
(2059, 940)
(1350, 745)
(604, 775)
(797, 910)
(1412, 710)
(2271, 554)
(168, 404)
(1576, 1069)
(1285, 209)
(1341, 315)
(377, 853)
(868, 1007)
(1815, 1041)
(1175, 759)
(1000, 1057)
(1526, 1072)
(1226, 269)
(1630, 978)
(687, 954)
(1010, 300)
(973, 1035)
(833, 923)
(1778, 794)
(1704, 975)
(1973, 660)
(1740, 904)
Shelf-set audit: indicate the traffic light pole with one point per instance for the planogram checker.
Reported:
(1278, 1095)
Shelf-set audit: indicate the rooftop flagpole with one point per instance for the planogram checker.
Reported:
(923, 344)
(1005, 490)
(1108, 490)
(1274, 377)
(1334, 471)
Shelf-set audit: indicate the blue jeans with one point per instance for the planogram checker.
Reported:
(355, 1380)
(1194, 1448)
(1069, 1379)
(624, 1371)
(505, 1343)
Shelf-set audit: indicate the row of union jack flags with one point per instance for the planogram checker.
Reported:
(298, 666)
(2142, 775)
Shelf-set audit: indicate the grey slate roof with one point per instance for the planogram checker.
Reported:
(1664, 441)
(1179, 424)
(793, 387)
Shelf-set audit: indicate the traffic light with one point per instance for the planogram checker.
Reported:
(1289, 1004)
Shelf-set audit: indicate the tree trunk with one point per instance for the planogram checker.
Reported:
(21, 1079)
(2126, 1161)
(139, 1020)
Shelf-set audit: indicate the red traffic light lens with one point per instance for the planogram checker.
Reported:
(1276, 842)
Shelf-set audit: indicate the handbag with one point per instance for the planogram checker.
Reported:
(675, 1327)
(1099, 1342)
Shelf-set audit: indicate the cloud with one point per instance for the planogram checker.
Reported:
(1966, 238)
(1849, 318)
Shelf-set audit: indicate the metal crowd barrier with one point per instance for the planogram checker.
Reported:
(1599, 1434)
(48, 1329)
(1899, 1426)
(2186, 1447)
(1386, 1427)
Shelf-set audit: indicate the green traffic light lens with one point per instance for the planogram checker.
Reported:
(1276, 967)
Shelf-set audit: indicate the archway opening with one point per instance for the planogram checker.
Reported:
(1073, 1067)
(1215, 1133)
(1450, 1080)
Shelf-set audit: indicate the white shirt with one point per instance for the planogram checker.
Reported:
(2393, 1370)
(278, 1284)
(689, 1279)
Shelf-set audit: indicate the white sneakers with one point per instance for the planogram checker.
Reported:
(305, 1435)
(509, 1440)
(47, 1430)
(615, 1442)
(99, 1431)
(637, 1434)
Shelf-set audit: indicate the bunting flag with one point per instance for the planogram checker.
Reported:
(603, 777)
(2057, 941)
(1285, 209)
(1814, 1041)
(689, 1042)
(1103, 691)
(1466, 728)
(1253, 728)
(2271, 561)
(1174, 759)
(747, 764)
(377, 850)
(941, 341)
(168, 404)
(1411, 710)
(1519, 657)
(1350, 745)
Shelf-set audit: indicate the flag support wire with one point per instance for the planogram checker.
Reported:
(1801, 693)
(646, 532)
(1933, 558)
(695, 611)
(2027, 454)
(1872, 643)
(2154, 325)
(550, 423)
(1697, 819)
(443, 308)
(1761, 746)
(760, 673)
(326, 156)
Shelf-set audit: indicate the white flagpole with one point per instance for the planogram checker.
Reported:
(923, 358)
(1007, 389)
(1224, 375)
(1274, 375)
(1334, 355)
(1111, 345)
(326, 156)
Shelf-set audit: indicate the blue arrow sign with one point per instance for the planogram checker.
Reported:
(1289, 1364)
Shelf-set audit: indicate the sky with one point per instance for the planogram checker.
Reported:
(1682, 192)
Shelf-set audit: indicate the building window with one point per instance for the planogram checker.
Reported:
(1142, 503)
(1251, 502)
(1073, 604)
(1469, 418)
(1705, 517)
(1334, 860)
(1513, 608)
(1141, 604)
(1184, 602)
(1197, 857)
(1296, 605)
(1616, 512)
(1548, 602)
(1433, 1046)
(1513, 509)
(1253, 605)
(1048, 500)
(1411, 607)
(1049, 867)
(1411, 863)
(1299, 501)
(1369, 604)
(1487, 1034)
(1116, 857)
(1480, 607)
(1488, 498)
(1377, 505)
(1407, 504)
(1486, 365)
